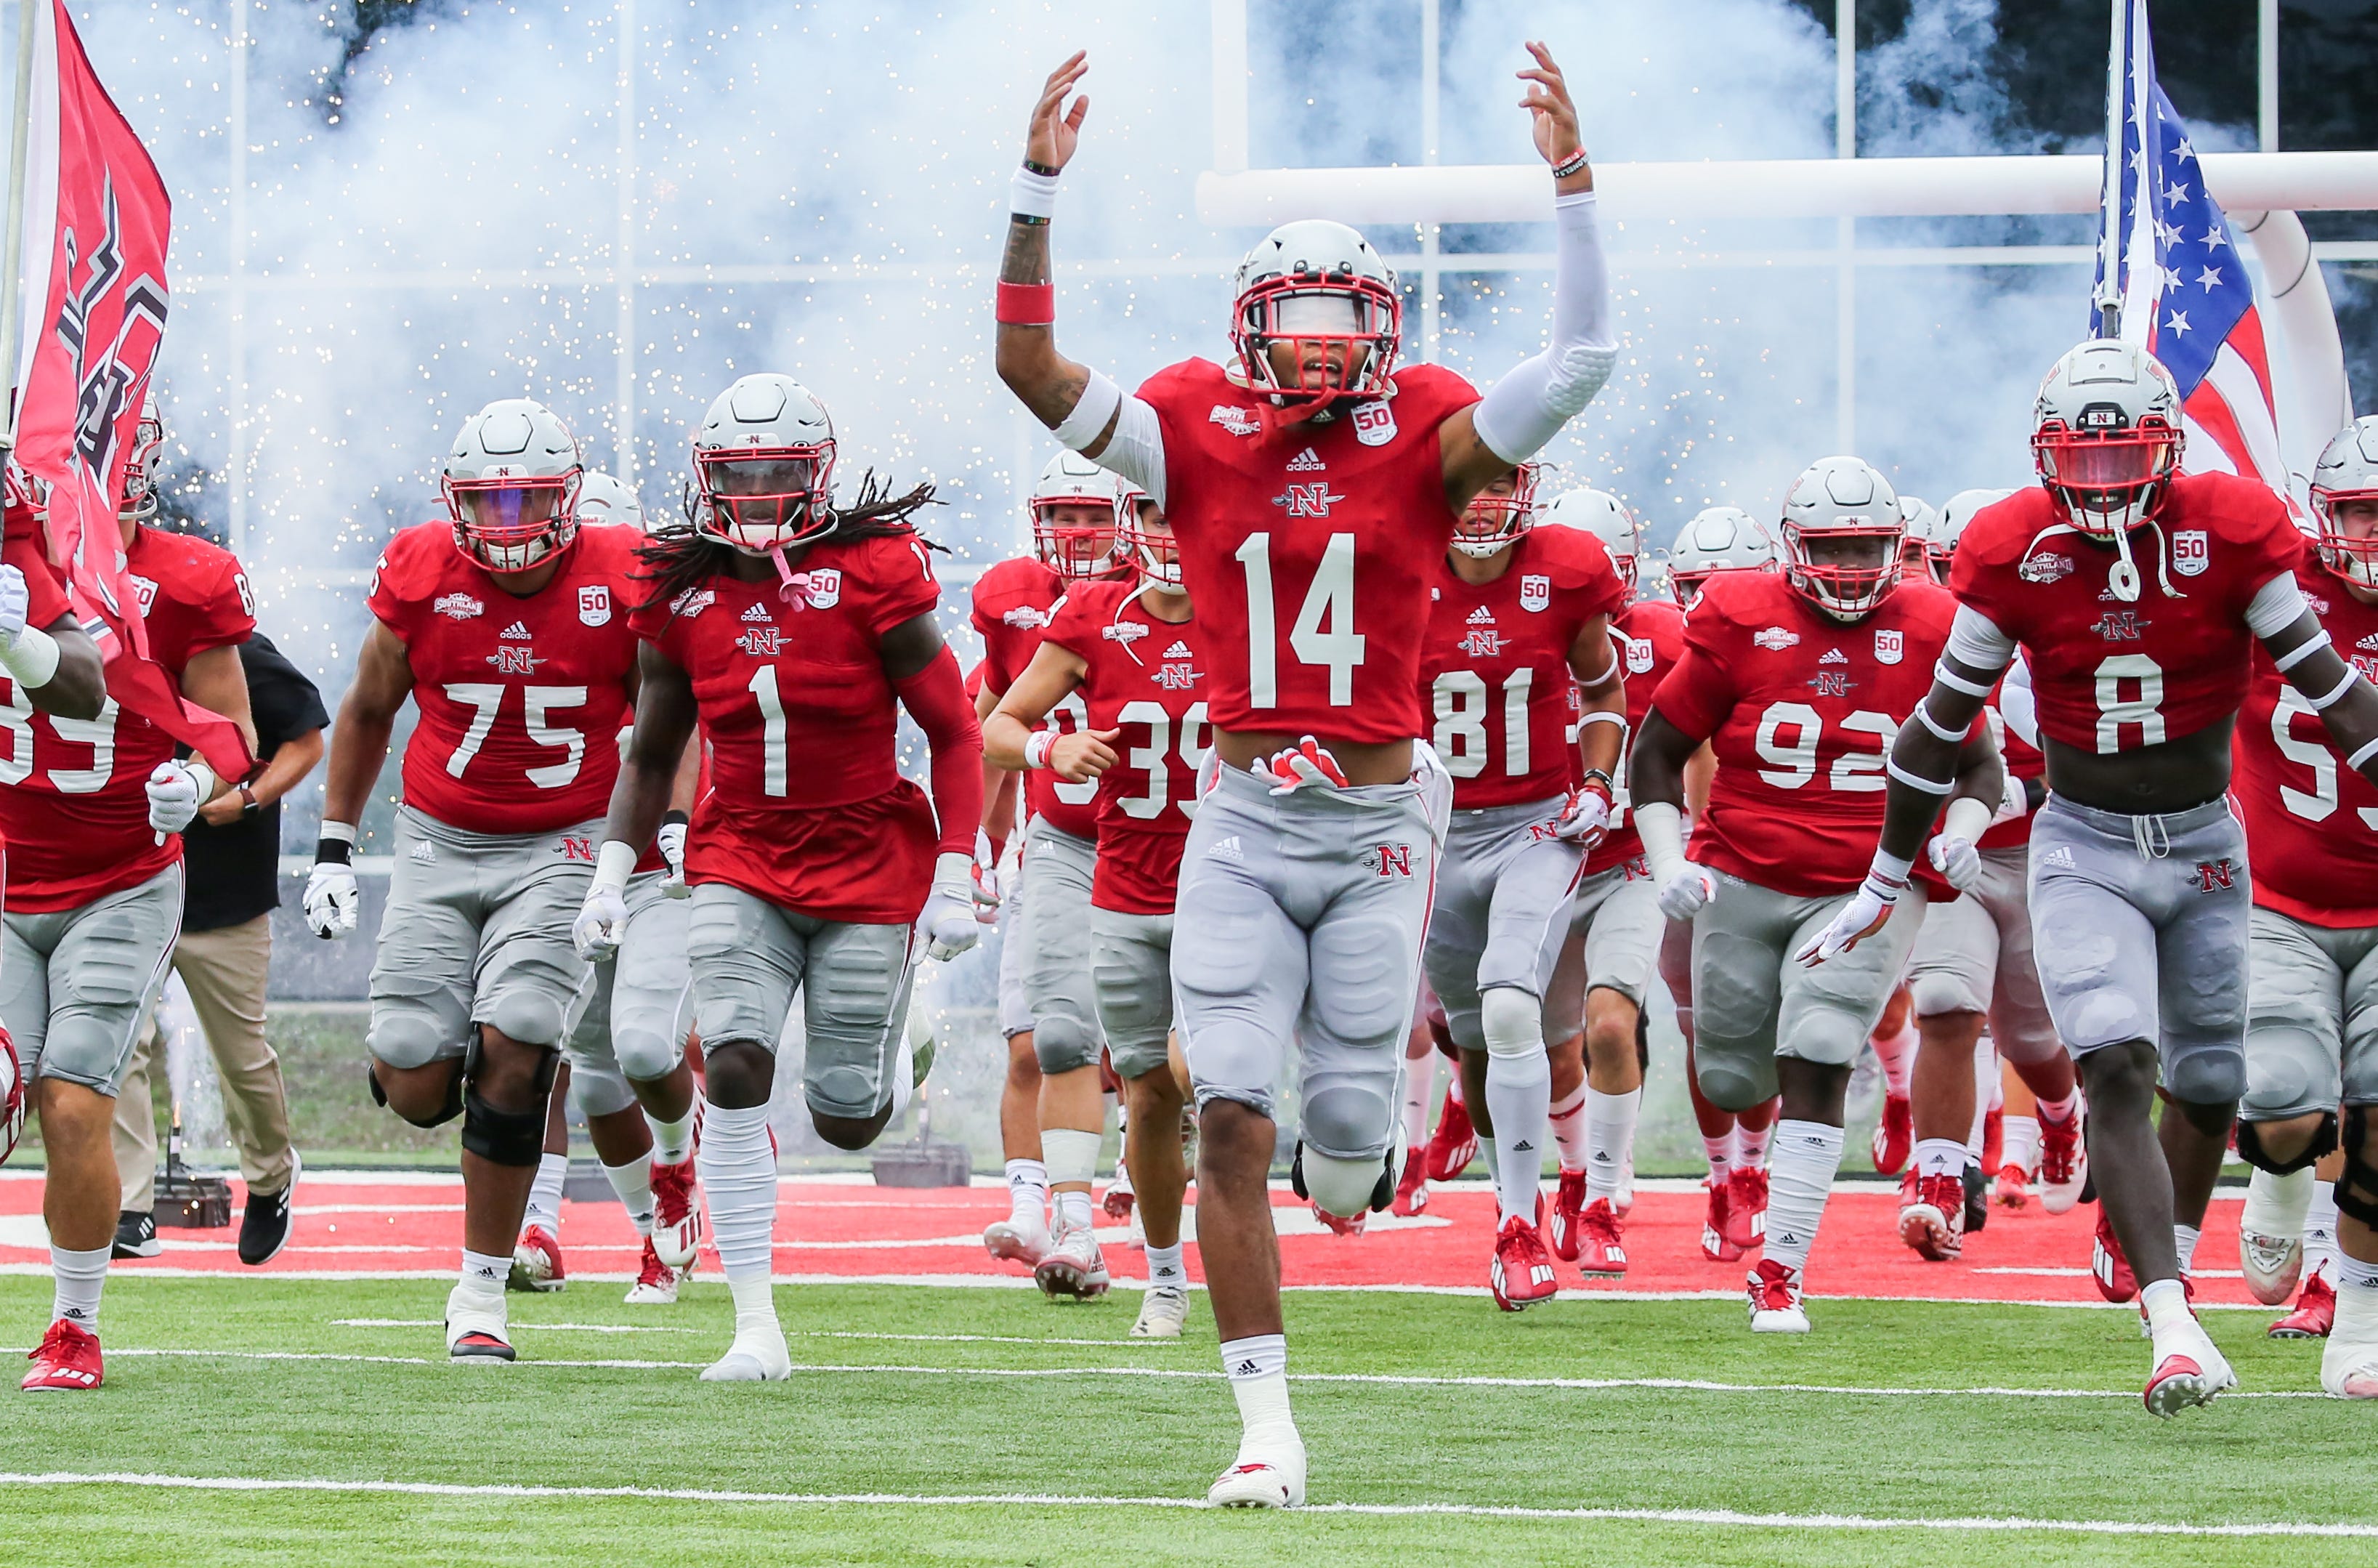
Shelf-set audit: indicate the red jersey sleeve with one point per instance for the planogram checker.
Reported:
(1697, 693)
(45, 594)
(900, 569)
(2270, 544)
(400, 586)
(226, 610)
(1080, 622)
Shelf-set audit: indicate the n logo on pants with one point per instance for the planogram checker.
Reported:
(1389, 860)
(2215, 874)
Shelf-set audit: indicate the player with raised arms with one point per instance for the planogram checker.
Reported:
(2136, 595)
(1312, 488)
(793, 632)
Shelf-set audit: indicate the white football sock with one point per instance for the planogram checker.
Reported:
(1568, 1129)
(1165, 1269)
(1720, 1151)
(634, 1183)
(1799, 1176)
(1897, 1053)
(1028, 1191)
(2183, 1241)
(2168, 1315)
(1072, 1156)
(484, 1273)
(1610, 1141)
(2353, 1271)
(2320, 1253)
(1419, 1088)
(79, 1277)
(1258, 1368)
(755, 1303)
(1073, 1211)
(545, 1194)
(1519, 1098)
(738, 1167)
(1985, 1098)
(673, 1141)
(2020, 1136)
(1750, 1144)
(1939, 1156)
(2060, 1110)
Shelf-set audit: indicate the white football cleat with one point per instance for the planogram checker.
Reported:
(2188, 1374)
(2348, 1363)
(2270, 1232)
(1162, 1312)
(657, 1283)
(477, 1332)
(2273, 1265)
(1073, 1266)
(1775, 1306)
(758, 1356)
(1017, 1240)
(676, 1212)
(1269, 1477)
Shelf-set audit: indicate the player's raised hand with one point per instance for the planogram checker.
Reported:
(1079, 758)
(1056, 129)
(1557, 138)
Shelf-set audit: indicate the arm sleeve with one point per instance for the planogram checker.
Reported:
(1976, 642)
(2277, 605)
(935, 697)
(2019, 705)
(1526, 407)
(1135, 450)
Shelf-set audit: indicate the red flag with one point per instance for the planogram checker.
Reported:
(93, 298)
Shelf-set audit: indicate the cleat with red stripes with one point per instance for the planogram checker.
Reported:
(676, 1212)
(1455, 1142)
(2189, 1377)
(537, 1262)
(1121, 1195)
(657, 1283)
(1894, 1135)
(1600, 1253)
(1932, 1216)
(2314, 1316)
(1411, 1192)
(66, 1361)
(1746, 1207)
(2013, 1189)
(1775, 1304)
(1569, 1203)
(2063, 1164)
(1521, 1273)
(2106, 1264)
(1714, 1246)
(1337, 1225)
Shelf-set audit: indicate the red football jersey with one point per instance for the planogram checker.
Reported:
(1494, 667)
(75, 809)
(1649, 635)
(2111, 676)
(807, 807)
(1309, 548)
(1801, 711)
(1014, 603)
(2312, 823)
(519, 697)
(1147, 678)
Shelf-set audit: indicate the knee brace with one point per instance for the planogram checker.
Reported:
(2251, 1149)
(502, 1138)
(1643, 1040)
(2356, 1184)
(1343, 1187)
(1512, 1021)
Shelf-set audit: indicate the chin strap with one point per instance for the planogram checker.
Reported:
(2122, 577)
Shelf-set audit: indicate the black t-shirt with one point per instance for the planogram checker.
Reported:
(233, 872)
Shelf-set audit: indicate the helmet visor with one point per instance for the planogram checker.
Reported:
(2105, 462)
(760, 498)
(509, 506)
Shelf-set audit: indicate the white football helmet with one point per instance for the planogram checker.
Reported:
(1148, 534)
(138, 502)
(1077, 517)
(510, 485)
(2105, 437)
(763, 466)
(1948, 525)
(1317, 288)
(1717, 538)
(602, 498)
(2347, 470)
(1920, 517)
(1495, 519)
(1838, 503)
(1606, 518)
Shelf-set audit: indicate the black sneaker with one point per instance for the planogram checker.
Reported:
(1977, 1200)
(264, 1228)
(136, 1235)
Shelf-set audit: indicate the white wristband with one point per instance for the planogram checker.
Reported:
(1600, 716)
(614, 863)
(1031, 195)
(1089, 420)
(337, 832)
(953, 877)
(32, 659)
(206, 777)
(1966, 818)
(1035, 747)
(1661, 828)
(1890, 867)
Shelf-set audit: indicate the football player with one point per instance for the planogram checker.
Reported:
(505, 625)
(2312, 831)
(1312, 486)
(794, 632)
(1136, 658)
(1075, 506)
(2136, 593)
(1798, 681)
(93, 803)
(1023, 1236)
(1529, 719)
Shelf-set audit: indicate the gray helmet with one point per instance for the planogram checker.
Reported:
(2106, 436)
(602, 498)
(138, 502)
(1717, 538)
(1291, 288)
(1606, 518)
(2347, 470)
(510, 485)
(764, 462)
(1842, 498)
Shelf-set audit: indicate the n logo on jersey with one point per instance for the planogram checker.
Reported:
(2118, 625)
(2215, 875)
(1374, 423)
(595, 605)
(1307, 501)
(1389, 860)
(1482, 643)
(578, 850)
(761, 642)
(514, 660)
(1535, 591)
(2191, 551)
(1831, 683)
(1175, 677)
(1889, 647)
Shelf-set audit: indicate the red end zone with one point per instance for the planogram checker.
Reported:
(370, 1222)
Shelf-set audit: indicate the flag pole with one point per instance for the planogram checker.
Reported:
(11, 317)
(2109, 215)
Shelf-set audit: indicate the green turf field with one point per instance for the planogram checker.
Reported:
(939, 1415)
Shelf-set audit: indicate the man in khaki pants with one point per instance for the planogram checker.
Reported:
(233, 864)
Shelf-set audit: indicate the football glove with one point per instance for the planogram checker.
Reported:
(949, 920)
(986, 878)
(13, 604)
(1957, 860)
(601, 919)
(1866, 912)
(671, 841)
(174, 789)
(1303, 765)
(1585, 820)
(334, 903)
(1685, 894)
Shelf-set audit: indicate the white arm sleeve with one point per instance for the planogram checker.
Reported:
(1526, 407)
(2275, 606)
(2019, 706)
(1135, 450)
(1976, 642)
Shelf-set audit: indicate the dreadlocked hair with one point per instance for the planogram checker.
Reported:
(679, 561)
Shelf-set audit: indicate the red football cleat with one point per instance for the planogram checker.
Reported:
(1894, 1135)
(2013, 1189)
(2315, 1313)
(2106, 1264)
(1600, 1254)
(1521, 1273)
(676, 1212)
(1455, 1143)
(1746, 1207)
(537, 1262)
(1714, 1246)
(1993, 1140)
(1932, 1216)
(1337, 1226)
(1411, 1192)
(2063, 1164)
(1569, 1203)
(66, 1360)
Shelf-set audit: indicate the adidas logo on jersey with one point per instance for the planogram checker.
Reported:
(1834, 656)
(757, 615)
(517, 631)
(1482, 615)
(1179, 650)
(1307, 462)
(2369, 641)
(1226, 850)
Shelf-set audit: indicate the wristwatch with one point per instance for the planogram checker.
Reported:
(249, 804)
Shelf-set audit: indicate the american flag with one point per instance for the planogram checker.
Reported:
(2185, 294)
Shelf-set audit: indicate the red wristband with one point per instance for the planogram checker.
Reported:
(1027, 305)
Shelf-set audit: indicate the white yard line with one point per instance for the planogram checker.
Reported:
(1700, 1516)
